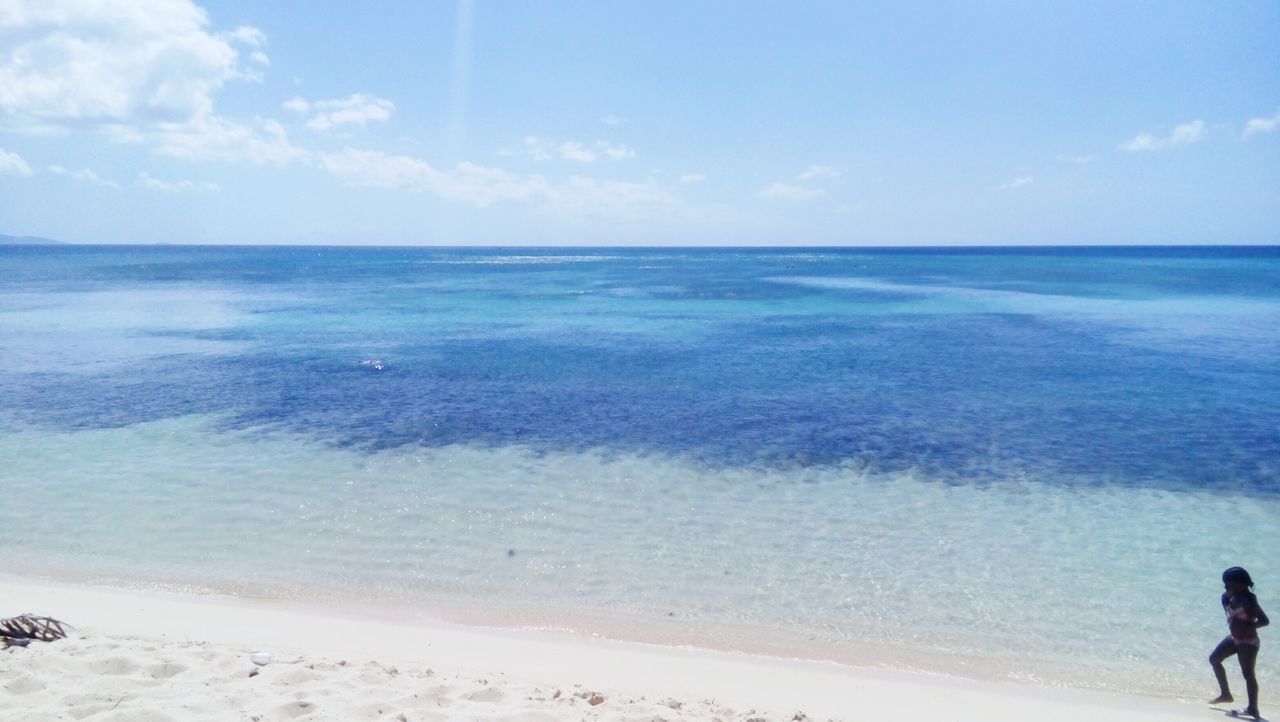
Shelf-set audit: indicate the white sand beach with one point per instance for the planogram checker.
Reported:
(160, 656)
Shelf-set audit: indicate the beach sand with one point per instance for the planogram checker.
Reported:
(152, 656)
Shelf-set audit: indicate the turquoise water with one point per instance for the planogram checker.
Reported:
(1018, 463)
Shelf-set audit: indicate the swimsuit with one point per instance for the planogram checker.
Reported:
(1243, 629)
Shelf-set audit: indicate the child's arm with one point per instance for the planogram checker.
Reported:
(1253, 609)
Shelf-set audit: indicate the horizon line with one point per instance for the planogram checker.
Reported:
(830, 246)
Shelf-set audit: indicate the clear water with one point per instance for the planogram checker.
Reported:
(1017, 463)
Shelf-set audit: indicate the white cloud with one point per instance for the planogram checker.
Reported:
(182, 186)
(1184, 134)
(246, 35)
(537, 148)
(1075, 159)
(355, 109)
(72, 65)
(688, 178)
(84, 175)
(297, 105)
(616, 152)
(138, 72)
(1256, 126)
(541, 149)
(815, 172)
(787, 191)
(577, 152)
(484, 186)
(215, 138)
(627, 200)
(793, 192)
(1016, 183)
(13, 164)
(377, 169)
(612, 120)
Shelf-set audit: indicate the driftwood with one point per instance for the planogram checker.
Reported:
(19, 631)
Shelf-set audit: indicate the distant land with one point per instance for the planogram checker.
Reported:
(27, 241)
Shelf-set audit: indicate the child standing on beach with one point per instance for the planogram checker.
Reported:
(1244, 616)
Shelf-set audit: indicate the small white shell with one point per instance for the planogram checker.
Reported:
(260, 658)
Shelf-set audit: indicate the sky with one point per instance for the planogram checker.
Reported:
(476, 122)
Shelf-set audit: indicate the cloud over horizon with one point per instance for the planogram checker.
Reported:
(1184, 134)
(789, 191)
(356, 109)
(142, 73)
(541, 149)
(818, 172)
(84, 175)
(115, 66)
(1258, 126)
(13, 164)
(1018, 182)
(484, 186)
(180, 186)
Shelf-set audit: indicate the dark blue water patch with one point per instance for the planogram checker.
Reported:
(1013, 395)
(963, 397)
(203, 334)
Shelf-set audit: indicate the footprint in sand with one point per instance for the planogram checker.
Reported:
(138, 715)
(296, 709)
(486, 694)
(166, 670)
(438, 696)
(80, 706)
(114, 665)
(300, 676)
(87, 710)
(377, 711)
(24, 684)
(428, 717)
(82, 698)
(42, 717)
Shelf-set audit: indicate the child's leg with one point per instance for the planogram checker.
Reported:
(1248, 655)
(1225, 648)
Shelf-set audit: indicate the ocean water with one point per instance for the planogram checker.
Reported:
(1014, 463)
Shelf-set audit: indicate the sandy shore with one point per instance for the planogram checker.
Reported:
(153, 656)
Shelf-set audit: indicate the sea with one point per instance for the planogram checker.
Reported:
(1025, 464)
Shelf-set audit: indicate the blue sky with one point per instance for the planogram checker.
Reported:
(723, 123)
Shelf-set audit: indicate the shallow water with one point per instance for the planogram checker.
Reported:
(1004, 463)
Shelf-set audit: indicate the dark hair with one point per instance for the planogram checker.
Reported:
(1237, 574)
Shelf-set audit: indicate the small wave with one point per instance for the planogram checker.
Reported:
(517, 260)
